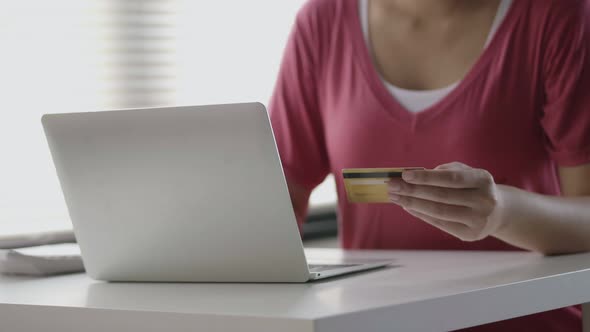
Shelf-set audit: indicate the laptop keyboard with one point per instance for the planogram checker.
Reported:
(320, 268)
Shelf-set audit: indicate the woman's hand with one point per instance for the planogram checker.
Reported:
(455, 198)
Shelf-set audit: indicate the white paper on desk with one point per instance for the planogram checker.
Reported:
(42, 260)
(36, 239)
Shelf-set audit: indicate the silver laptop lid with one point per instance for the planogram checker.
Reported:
(177, 194)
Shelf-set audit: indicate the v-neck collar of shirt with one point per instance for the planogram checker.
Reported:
(394, 108)
(419, 100)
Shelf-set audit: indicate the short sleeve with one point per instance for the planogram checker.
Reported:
(295, 109)
(566, 112)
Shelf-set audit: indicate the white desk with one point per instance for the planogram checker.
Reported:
(432, 291)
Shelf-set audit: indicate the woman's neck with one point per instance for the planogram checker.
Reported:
(427, 9)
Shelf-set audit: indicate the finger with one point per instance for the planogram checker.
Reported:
(453, 196)
(453, 165)
(455, 213)
(456, 229)
(468, 178)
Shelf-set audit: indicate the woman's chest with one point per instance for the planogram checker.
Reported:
(483, 126)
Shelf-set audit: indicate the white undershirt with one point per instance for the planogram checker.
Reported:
(418, 100)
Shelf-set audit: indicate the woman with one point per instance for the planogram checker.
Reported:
(493, 96)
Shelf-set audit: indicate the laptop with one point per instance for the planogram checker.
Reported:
(181, 194)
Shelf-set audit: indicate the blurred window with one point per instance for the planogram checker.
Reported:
(76, 56)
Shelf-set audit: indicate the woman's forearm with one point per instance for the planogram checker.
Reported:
(300, 201)
(547, 224)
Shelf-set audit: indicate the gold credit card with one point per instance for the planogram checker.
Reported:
(369, 185)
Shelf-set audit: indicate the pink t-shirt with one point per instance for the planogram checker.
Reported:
(522, 110)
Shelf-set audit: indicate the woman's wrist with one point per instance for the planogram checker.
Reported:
(504, 213)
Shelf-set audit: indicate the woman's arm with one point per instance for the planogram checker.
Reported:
(549, 224)
(300, 201)
(466, 202)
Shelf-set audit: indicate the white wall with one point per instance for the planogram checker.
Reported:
(53, 60)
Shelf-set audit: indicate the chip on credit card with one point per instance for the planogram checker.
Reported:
(369, 185)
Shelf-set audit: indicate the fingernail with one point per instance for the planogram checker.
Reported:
(394, 186)
(408, 175)
(394, 197)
